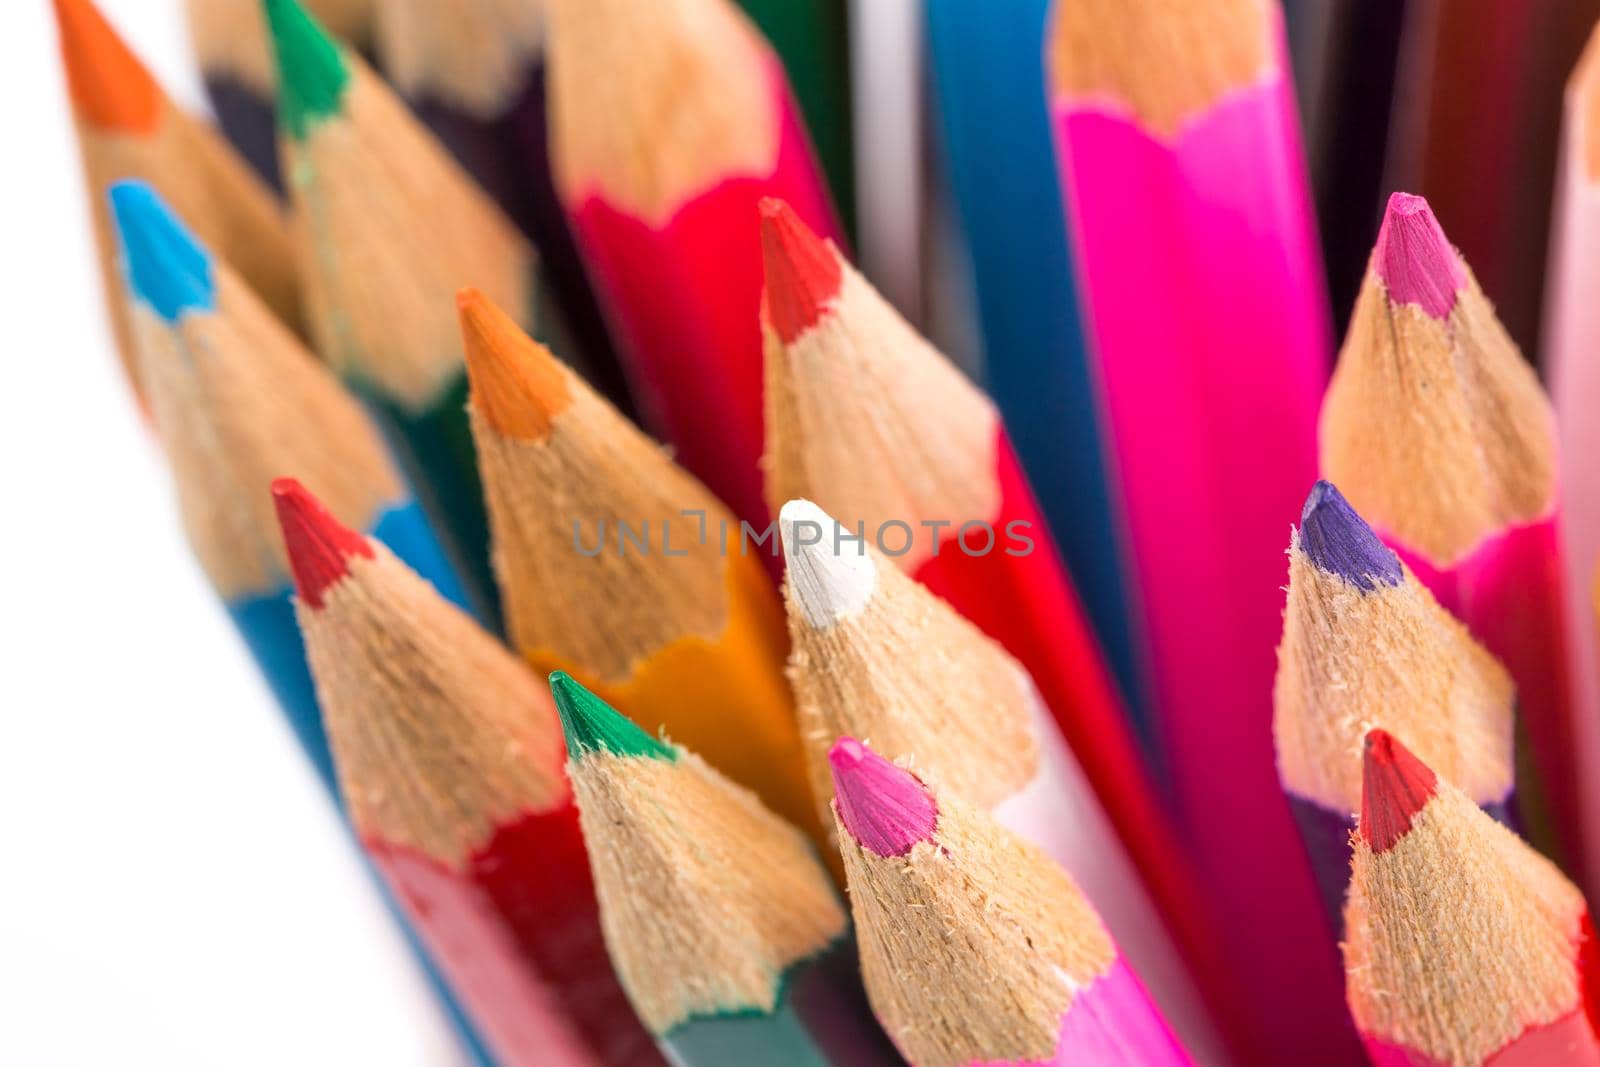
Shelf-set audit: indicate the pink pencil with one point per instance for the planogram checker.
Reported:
(1572, 359)
(669, 121)
(1438, 433)
(1030, 978)
(1190, 213)
(878, 655)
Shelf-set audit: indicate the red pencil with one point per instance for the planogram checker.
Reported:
(450, 753)
(669, 121)
(1463, 945)
(868, 420)
(1438, 433)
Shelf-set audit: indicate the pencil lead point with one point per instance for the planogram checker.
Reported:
(1415, 260)
(592, 725)
(803, 271)
(1338, 540)
(319, 545)
(312, 74)
(517, 385)
(886, 809)
(831, 576)
(1395, 786)
(110, 87)
(163, 265)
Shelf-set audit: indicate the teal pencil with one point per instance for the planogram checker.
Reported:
(724, 928)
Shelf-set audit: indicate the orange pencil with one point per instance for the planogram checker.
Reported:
(619, 568)
(129, 129)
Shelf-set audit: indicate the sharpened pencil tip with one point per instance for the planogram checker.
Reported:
(591, 725)
(110, 88)
(886, 809)
(163, 265)
(1338, 540)
(1395, 786)
(803, 270)
(319, 545)
(312, 73)
(517, 385)
(1415, 260)
(830, 575)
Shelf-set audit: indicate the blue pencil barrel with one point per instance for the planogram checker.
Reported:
(268, 625)
(988, 71)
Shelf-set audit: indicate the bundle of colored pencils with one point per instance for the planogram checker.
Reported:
(791, 741)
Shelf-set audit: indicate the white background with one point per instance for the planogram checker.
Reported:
(173, 886)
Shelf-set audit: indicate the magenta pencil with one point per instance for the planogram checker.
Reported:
(1191, 218)
(976, 949)
(1439, 434)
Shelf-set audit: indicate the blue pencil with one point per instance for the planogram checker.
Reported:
(239, 402)
(1365, 645)
(988, 74)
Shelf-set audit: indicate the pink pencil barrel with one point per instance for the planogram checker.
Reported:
(1210, 330)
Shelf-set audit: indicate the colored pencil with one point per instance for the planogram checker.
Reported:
(813, 40)
(1440, 436)
(1478, 124)
(230, 42)
(877, 655)
(473, 72)
(237, 401)
(976, 949)
(679, 627)
(1464, 946)
(668, 122)
(1572, 366)
(448, 752)
(128, 129)
(1189, 208)
(388, 228)
(724, 929)
(868, 420)
(887, 80)
(1366, 645)
(995, 130)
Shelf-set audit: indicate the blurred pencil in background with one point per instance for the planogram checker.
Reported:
(128, 129)
(813, 40)
(474, 73)
(1365, 645)
(975, 947)
(1463, 945)
(995, 129)
(387, 228)
(660, 166)
(1572, 369)
(448, 752)
(237, 401)
(725, 930)
(1478, 117)
(230, 42)
(1438, 433)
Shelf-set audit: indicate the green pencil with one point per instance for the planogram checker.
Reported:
(812, 36)
(387, 228)
(723, 926)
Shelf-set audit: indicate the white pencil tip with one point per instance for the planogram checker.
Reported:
(831, 576)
